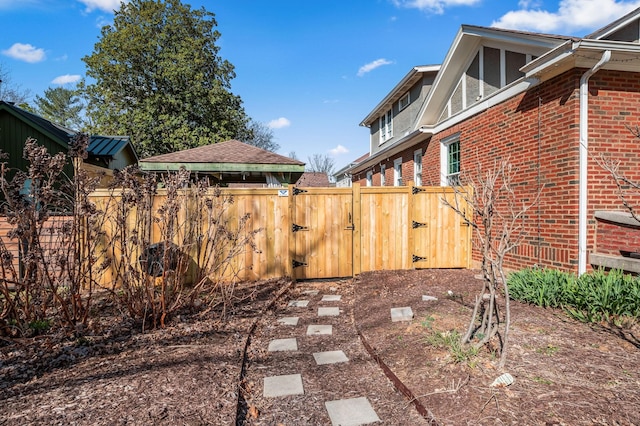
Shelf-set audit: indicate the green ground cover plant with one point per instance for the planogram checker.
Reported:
(600, 296)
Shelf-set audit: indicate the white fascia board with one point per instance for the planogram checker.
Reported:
(565, 57)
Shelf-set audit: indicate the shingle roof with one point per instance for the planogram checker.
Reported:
(231, 151)
(313, 179)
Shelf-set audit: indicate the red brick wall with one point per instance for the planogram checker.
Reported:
(614, 238)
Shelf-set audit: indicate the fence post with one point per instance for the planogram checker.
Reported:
(357, 229)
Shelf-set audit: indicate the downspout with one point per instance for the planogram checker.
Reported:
(584, 160)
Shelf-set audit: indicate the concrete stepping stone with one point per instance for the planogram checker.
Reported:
(298, 303)
(426, 298)
(401, 314)
(280, 345)
(352, 412)
(328, 312)
(330, 357)
(311, 292)
(315, 329)
(288, 320)
(290, 384)
(331, 298)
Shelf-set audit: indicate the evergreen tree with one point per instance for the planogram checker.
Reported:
(61, 106)
(159, 79)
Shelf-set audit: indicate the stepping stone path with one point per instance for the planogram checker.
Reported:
(348, 411)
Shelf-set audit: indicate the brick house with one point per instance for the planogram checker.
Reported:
(551, 105)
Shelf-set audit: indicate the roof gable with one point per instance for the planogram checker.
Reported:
(56, 132)
(464, 52)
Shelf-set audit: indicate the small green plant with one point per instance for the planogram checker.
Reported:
(548, 350)
(428, 322)
(452, 341)
(542, 380)
(40, 326)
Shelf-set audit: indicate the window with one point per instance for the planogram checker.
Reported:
(369, 178)
(404, 102)
(397, 172)
(383, 170)
(417, 167)
(450, 161)
(386, 127)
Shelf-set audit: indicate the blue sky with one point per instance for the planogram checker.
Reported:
(311, 70)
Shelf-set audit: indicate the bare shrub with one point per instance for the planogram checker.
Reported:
(498, 220)
(53, 225)
(171, 248)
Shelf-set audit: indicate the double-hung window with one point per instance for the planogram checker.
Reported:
(369, 178)
(450, 161)
(386, 127)
(383, 171)
(397, 172)
(417, 167)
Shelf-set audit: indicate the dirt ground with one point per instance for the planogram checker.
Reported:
(110, 373)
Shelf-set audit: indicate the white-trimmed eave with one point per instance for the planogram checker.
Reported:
(412, 77)
(584, 54)
(393, 149)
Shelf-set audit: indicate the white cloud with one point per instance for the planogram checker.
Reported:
(279, 123)
(571, 16)
(433, 6)
(338, 150)
(372, 66)
(104, 5)
(66, 79)
(25, 52)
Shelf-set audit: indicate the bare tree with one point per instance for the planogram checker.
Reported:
(498, 221)
(10, 92)
(261, 135)
(321, 164)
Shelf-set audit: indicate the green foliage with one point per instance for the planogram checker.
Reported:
(598, 296)
(159, 79)
(39, 326)
(452, 341)
(61, 106)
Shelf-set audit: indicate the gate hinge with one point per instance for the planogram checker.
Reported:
(415, 225)
(416, 190)
(297, 190)
(296, 228)
(295, 263)
(418, 258)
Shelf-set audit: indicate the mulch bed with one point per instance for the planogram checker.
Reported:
(111, 373)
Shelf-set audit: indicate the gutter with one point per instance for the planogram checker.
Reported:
(584, 157)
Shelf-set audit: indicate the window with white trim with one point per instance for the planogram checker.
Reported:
(397, 172)
(386, 127)
(450, 161)
(369, 178)
(403, 102)
(417, 167)
(383, 171)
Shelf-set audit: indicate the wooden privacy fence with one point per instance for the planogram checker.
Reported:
(340, 232)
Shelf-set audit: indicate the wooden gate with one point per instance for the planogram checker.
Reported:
(322, 232)
(341, 232)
